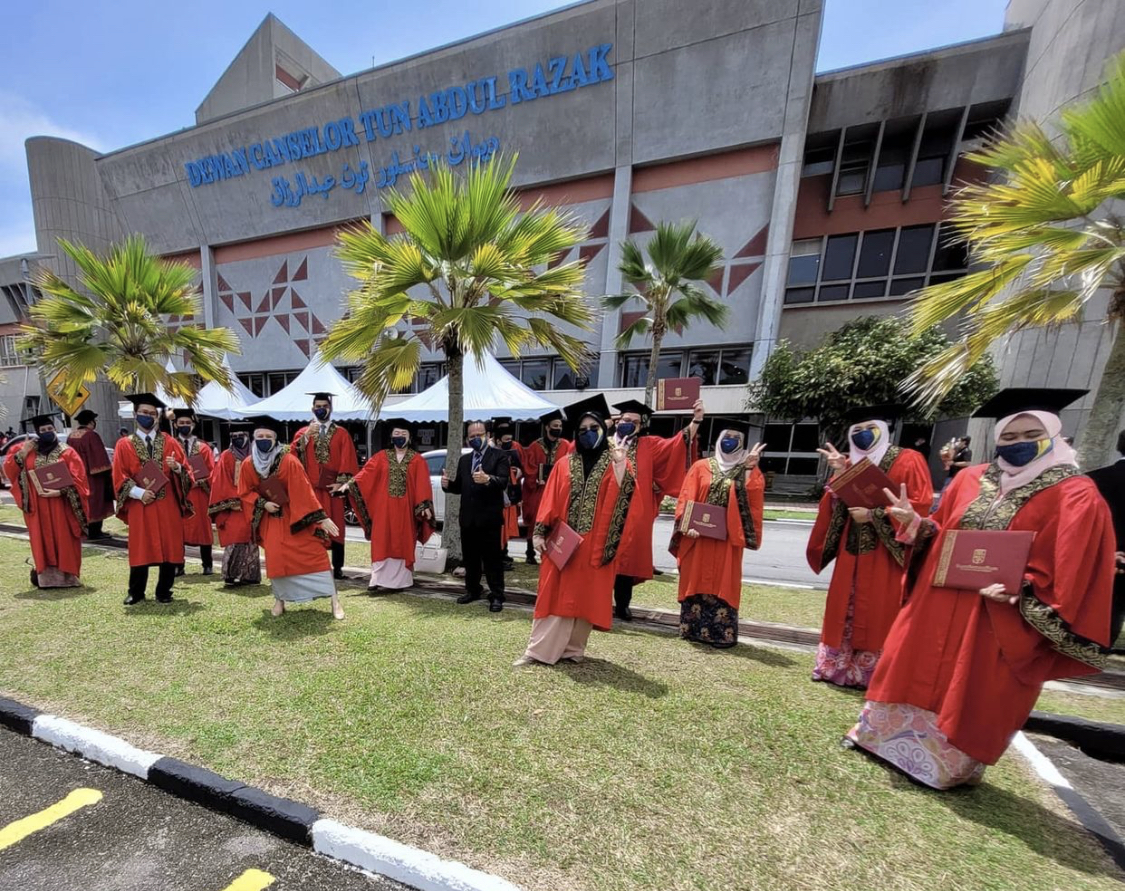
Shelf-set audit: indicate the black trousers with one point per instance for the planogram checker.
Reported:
(623, 591)
(138, 580)
(480, 547)
(95, 529)
(1117, 614)
(337, 556)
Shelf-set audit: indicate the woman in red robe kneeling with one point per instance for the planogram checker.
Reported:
(579, 597)
(962, 669)
(711, 568)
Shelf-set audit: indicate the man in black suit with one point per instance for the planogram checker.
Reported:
(1111, 483)
(482, 477)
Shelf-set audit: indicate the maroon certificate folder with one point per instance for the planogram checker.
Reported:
(273, 489)
(562, 543)
(51, 477)
(199, 469)
(709, 520)
(677, 393)
(972, 559)
(152, 478)
(327, 477)
(862, 485)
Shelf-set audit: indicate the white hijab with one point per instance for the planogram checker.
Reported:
(1013, 477)
(878, 447)
(728, 462)
(262, 462)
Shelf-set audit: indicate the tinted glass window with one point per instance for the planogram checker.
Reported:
(838, 257)
(913, 249)
(875, 253)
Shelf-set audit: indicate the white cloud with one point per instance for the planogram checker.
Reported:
(20, 119)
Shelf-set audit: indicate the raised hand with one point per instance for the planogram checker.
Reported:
(698, 410)
(618, 452)
(900, 507)
(754, 455)
(1000, 594)
(835, 460)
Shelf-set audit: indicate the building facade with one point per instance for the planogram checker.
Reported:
(827, 192)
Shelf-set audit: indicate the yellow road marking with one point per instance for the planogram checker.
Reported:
(21, 829)
(251, 880)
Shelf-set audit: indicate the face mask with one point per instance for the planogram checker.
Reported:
(399, 442)
(626, 428)
(729, 444)
(506, 446)
(553, 434)
(864, 439)
(265, 446)
(47, 441)
(184, 432)
(1020, 453)
(146, 421)
(239, 442)
(476, 443)
(320, 414)
(589, 439)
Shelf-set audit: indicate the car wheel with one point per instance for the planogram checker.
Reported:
(350, 518)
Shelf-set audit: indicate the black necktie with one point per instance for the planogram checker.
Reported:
(148, 445)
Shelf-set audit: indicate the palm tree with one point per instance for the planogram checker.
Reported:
(116, 324)
(469, 267)
(679, 259)
(1044, 229)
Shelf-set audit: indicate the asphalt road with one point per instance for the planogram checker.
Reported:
(138, 838)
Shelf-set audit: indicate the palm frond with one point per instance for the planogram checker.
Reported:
(638, 328)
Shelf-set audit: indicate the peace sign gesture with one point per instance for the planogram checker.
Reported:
(900, 507)
(754, 455)
(835, 460)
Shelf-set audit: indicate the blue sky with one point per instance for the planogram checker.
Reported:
(109, 75)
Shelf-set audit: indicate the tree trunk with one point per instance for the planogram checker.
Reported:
(451, 532)
(654, 359)
(1097, 442)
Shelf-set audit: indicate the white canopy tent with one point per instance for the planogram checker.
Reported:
(212, 400)
(294, 403)
(490, 391)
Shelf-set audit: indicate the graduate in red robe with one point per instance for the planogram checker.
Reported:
(327, 453)
(154, 518)
(661, 465)
(710, 568)
(962, 669)
(394, 499)
(538, 460)
(242, 564)
(579, 597)
(99, 474)
(56, 520)
(503, 438)
(865, 593)
(296, 534)
(197, 527)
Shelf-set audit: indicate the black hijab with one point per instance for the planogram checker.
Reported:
(590, 456)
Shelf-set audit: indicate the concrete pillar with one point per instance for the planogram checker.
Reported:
(618, 232)
(208, 275)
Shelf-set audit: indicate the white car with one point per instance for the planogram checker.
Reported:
(436, 462)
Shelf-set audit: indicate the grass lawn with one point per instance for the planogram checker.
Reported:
(654, 765)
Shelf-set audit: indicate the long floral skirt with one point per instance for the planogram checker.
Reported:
(708, 619)
(242, 565)
(844, 666)
(908, 738)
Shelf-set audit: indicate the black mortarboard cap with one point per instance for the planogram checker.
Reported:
(38, 421)
(184, 413)
(634, 405)
(595, 404)
(145, 399)
(555, 415)
(739, 425)
(265, 422)
(244, 426)
(85, 416)
(396, 423)
(886, 411)
(316, 396)
(501, 426)
(1014, 400)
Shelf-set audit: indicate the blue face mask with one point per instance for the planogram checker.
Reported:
(47, 441)
(1020, 453)
(145, 421)
(320, 413)
(729, 444)
(864, 439)
(476, 443)
(399, 442)
(589, 439)
(626, 428)
(265, 446)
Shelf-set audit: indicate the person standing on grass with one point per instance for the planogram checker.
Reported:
(866, 588)
(660, 465)
(56, 519)
(538, 460)
(327, 453)
(241, 562)
(962, 669)
(155, 515)
(99, 474)
(295, 531)
(482, 477)
(394, 499)
(503, 438)
(590, 492)
(711, 569)
(197, 527)
(1111, 483)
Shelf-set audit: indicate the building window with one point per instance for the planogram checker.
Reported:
(791, 448)
(854, 164)
(633, 368)
(545, 373)
(254, 382)
(9, 355)
(730, 365)
(276, 381)
(873, 264)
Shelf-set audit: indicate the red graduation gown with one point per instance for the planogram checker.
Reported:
(710, 566)
(389, 497)
(197, 528)
(225, 506)
(55, 526)
(867, 557)
(156, 531)
(661, 465)
(542, 451)
(99, 473)
(583, 589)
(979, 664)
(339, 456)
(293, 542)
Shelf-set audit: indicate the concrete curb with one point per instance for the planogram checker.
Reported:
(1106, 741)
(287, 819)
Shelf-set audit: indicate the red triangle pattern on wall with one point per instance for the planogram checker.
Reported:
(739, 273)
(638, 222)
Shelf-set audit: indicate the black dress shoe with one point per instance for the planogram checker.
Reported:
(134, 598)
(167, 598)
(495, 605)
(179, 571)
(468, 598)
(531, 561)
(623, 613)
(207, 570)
(372, 589)
(509, 564)
(34, 579)
(337, 573)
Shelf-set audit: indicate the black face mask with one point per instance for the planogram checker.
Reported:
(506, 446)
(554, 434)
(47, 441)
(399, 442)
(184, 432)
(238, 441)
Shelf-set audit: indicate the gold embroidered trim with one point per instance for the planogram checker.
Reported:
(718, 493)
(398, 472)
(123, 495)
(422, 506)
(1052, 626)
(620, 514)
(542, 530)
(986, 512)
(580, 509)
(834, 534)
(885, 532)
(308, 520)
(220, 506)
(362, 512)
(256, 518)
